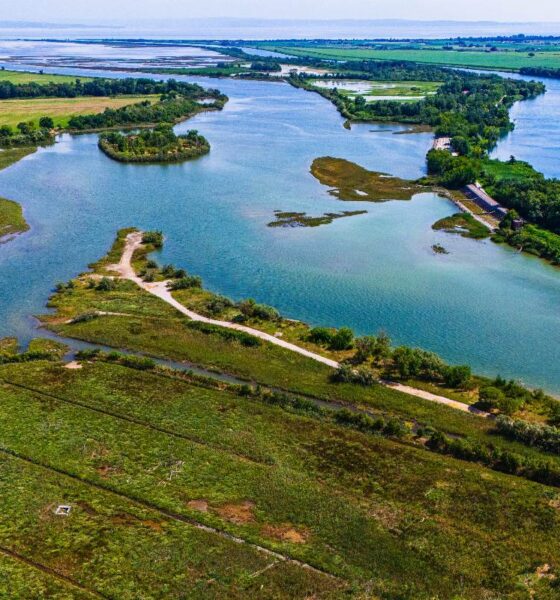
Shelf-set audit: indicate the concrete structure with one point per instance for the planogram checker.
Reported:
(475, 193)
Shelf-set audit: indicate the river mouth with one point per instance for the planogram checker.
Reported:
(480, 304)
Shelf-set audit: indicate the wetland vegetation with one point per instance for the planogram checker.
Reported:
(301, 219)
(349, 181)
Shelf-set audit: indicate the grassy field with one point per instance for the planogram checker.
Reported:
(142, 459)
(504, 60)
(513, 171)
(60, 110)
(18, 77)
(11, 218)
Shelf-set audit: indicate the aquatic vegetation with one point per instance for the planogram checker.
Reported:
(302, 219)
(349, 181)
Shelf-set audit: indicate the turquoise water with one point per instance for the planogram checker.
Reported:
(481, 304)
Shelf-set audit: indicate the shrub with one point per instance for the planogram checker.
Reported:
(106, 285)
(457, 376)
(154, 238)
(185, 283)
(218, 304)
(345, 374)
(320, 335)
(252, 310)
(541, 436)
(489, 397)
(85, 317)
(342, 339)
(243, 338)
(46, 123)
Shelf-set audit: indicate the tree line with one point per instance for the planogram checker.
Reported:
(104, 87)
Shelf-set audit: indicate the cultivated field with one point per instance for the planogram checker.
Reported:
(60, 110)
(504, 60)
(18, 77)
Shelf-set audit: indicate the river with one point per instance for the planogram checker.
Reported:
(481, 304)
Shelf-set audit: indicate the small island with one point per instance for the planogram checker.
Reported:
(302, 219)
(159, 145)
(464, 224)
(349, 181)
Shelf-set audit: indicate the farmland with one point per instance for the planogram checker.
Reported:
(502, 60)
(18, 77)
(61, 110)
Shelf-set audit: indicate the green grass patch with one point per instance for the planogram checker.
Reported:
(11, 218)
(11, 155)
(511, 171)
(19, 77)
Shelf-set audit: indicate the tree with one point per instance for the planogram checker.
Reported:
(25, 128)
(382, 349)
(365, 347)
(458, 376)
(407, 362)
(46, 123)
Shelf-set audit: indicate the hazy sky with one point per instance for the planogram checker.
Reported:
(122, 10)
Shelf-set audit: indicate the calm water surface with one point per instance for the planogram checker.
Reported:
(482, 304)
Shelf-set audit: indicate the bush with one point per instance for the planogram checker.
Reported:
(185, 283)
(345, 374)
(218, 304)
(154, 238)
(46, 123)
(342, 339)
(489, 397)
(458, 376)
(252, 310)
(106, 285)
(85, 317)
(320, 335)
(243, 338)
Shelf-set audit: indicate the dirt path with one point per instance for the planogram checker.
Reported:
(159, 289)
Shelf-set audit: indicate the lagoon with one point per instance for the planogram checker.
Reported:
(482, 304)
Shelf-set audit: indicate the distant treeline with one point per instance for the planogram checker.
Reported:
(104, 87)
(540, 72)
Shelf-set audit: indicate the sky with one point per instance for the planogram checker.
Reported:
(88, 11)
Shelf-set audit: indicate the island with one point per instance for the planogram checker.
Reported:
(159, 145)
